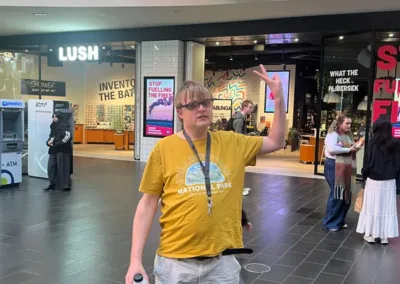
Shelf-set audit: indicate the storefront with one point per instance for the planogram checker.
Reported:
(360, 77)
(98, 80)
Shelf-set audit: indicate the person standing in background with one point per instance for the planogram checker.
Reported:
(340, 172)
(60, 152)
(381, 173)
(240, 126)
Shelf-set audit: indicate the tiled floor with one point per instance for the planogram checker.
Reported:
(85, 236)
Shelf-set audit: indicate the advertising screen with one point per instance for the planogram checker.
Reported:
(159, 106)
(269, 106)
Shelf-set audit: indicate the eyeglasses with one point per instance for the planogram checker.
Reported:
(195, 105)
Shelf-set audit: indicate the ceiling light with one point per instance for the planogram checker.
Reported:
(341, 37)
(50, 49)
(256, 57)
(40, 14)
(231, 58)
(255, 41)
(391, 35)
(104, 47)
(363, 105)
(331, 98)
(217, 43)
(26, 50)
(296, 39)
(133, 46)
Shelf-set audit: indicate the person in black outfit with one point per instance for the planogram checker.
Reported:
(60, 151)
(381, 171)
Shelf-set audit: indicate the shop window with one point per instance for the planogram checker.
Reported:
(344, 88)
(15, 68)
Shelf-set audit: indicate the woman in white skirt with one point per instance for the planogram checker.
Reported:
(378, 217)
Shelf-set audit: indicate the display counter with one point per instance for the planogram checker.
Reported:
(129, 138)
(100, 136)
(306, 151)
(78, 133)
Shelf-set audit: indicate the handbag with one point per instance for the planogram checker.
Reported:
(359, 201)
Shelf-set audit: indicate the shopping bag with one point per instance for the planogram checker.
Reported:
(359, 201)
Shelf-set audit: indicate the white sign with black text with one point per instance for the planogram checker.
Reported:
(222, 109)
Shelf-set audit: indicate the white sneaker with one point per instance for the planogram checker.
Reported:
(384, 241)
(369, 239)
(246, 191)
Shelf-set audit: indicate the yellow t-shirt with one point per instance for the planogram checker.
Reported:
(173, 172)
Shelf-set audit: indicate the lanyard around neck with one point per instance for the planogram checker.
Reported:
(205, 168)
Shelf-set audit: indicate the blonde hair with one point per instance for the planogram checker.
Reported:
(191, 90)
(335, 126)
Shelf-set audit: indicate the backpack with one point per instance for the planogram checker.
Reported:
(229, 125)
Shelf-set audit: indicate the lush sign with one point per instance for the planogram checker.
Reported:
(80, 53)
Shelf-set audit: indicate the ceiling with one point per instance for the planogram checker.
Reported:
(132, 3)
(22, 20)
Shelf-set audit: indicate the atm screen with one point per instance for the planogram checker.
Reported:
(11, 146)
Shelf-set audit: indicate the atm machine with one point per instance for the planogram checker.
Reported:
(40, 113)
(65, 109)
(11, 141)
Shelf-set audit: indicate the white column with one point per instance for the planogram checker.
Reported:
(159, 59)
(195, 62)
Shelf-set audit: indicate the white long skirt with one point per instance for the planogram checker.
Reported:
(378, 217)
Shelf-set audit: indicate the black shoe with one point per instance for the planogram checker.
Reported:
(50, 187)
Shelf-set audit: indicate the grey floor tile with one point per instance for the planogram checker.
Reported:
(320, 256)
(308, 270)
(277, 274)
(297, 280)
(259, 281)
(289, 239)
(356, 276)
(291, 259)
(338, 267)
(277, 249)
(328, 245)
(324, 278)
(303, 247)
(313, 237)
(309, 222)
(354, 242)
(300, 230)
(347, 254)
(263, 259)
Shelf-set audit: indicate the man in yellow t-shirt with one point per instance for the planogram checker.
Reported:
(199, 177)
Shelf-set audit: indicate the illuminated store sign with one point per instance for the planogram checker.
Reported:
(12, 103)
(80, 53)
(387, 61)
